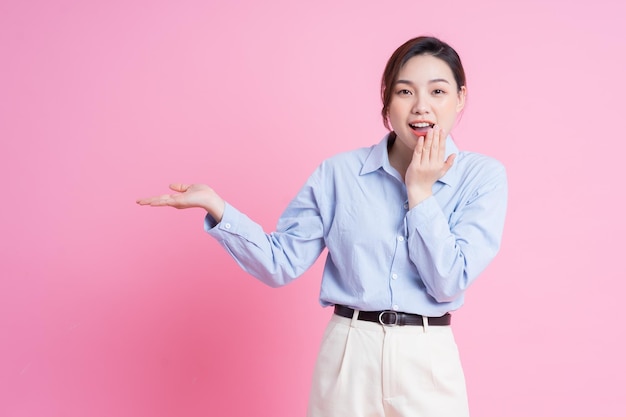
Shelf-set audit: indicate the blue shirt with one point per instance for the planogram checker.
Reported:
(381, 256)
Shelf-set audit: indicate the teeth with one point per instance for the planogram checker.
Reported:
(421, 124)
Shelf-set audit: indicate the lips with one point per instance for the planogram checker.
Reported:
(421, 125)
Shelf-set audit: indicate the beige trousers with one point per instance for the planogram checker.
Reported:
(365, 369)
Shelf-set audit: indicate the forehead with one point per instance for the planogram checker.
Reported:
(424, 68)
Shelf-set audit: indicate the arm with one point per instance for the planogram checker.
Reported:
(450, 254)
(274, 258)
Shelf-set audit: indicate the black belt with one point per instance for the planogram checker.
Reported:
(393, 318)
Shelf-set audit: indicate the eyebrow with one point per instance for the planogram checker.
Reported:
(435, 80)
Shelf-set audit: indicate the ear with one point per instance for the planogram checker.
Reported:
(461, 97)
(387, 122)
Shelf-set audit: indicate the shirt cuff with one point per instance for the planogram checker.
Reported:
(424, 212)
(209, 223)
(212, 226)
(233, 223)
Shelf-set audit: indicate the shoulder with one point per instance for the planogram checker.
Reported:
(479, 172)
(477, 163)
(368, 158)
(352, 160)
(340, 171)
(355, 156)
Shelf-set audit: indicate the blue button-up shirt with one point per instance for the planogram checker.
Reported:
(381, 255)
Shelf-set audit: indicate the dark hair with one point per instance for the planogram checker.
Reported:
(423, 45)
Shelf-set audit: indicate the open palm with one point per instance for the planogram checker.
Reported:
(186, 196)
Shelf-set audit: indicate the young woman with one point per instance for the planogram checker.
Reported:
(409, 224)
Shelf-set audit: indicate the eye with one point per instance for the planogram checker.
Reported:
(438, 91)
(404, 92)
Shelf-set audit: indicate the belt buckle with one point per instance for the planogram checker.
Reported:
(395, 315)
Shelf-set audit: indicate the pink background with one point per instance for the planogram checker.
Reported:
(111, 309)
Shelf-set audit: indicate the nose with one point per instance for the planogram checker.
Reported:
(420, 105)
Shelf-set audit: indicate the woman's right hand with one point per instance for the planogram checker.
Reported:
(188, 196)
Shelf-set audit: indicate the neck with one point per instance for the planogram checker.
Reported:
(399, 156)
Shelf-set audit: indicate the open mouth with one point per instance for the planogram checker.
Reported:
(421, 125)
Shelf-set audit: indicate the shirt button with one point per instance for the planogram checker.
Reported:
(400, 238)
(227, 226)
(394, 276)
(395, 307)
(406, 206)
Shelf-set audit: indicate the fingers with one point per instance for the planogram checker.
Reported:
(438, 147)
(165, 199)
(161, 200)
(428, 143)
(419, 149)
(432, 148)
(181, 188)
(429, 163)
(448, 163)
(434, 144)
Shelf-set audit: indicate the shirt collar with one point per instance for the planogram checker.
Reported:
(379, 158)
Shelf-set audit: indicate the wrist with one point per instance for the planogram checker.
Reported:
(215, 208)
(416, 195)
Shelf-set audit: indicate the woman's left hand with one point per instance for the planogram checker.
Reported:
(427, 165)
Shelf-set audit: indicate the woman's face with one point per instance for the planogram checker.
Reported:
(424, 94)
